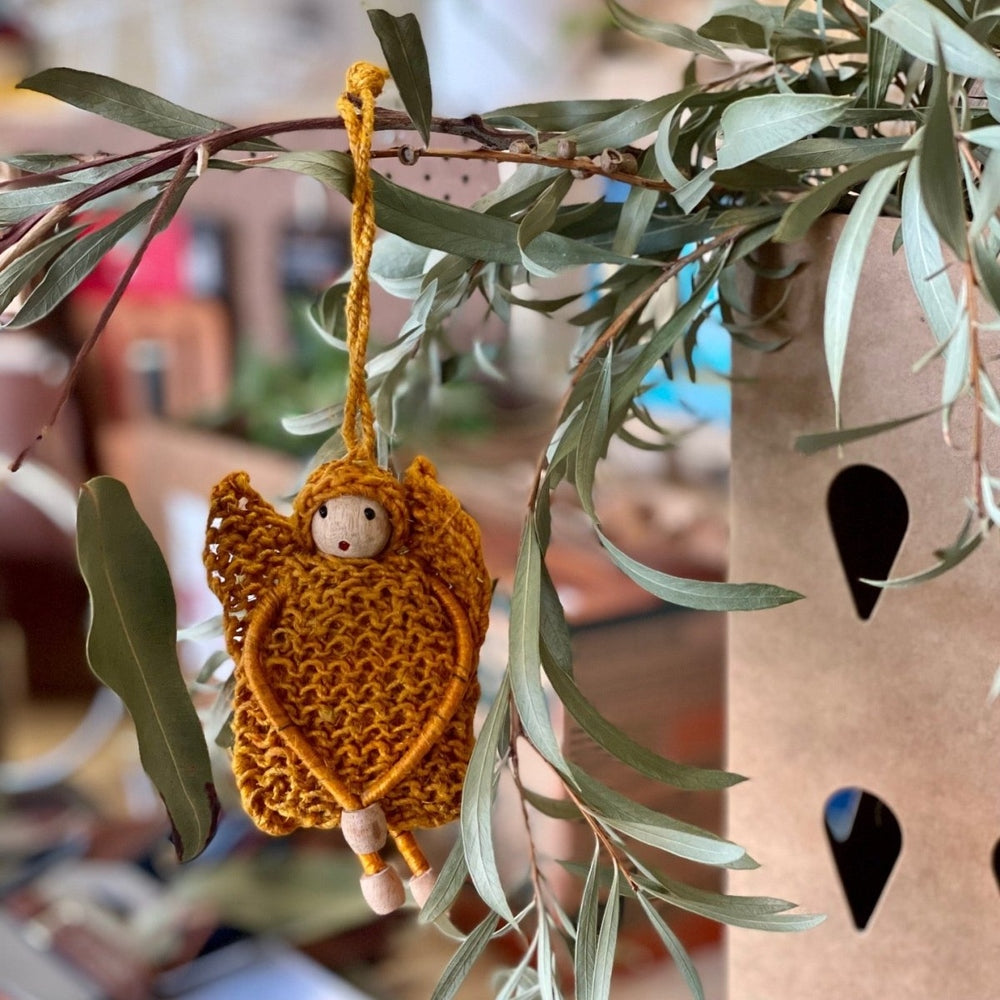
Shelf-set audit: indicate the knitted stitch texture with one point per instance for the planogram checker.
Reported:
(346, 666)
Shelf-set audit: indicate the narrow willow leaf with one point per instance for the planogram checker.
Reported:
(304, 424)
(210, 628)
(403, 47)
(845, 271)
(76, 262)
(622, 746)
(655, 828)
(19, 203)
(883, 58)
(585, 951)
(538, 220)
(22, 269)
(637, 210)
(675, 36)
(807, 208)
(762, 918)
(564, 809)
(755, 126)
(458, 968)
(810, 444)
(948, 559)
(689, 195)
(525, 671)
(703, 595)
(124, 103)
(330, 167)
(545, 964)
(626, 127)
(939, 170)
(561, 116)
(449, 883)
(988, 196)
(599, 986)
(132, 647)
(593, 441)
(925, 262)
(477, 806)
(209, 667)
(676, 949)
(828, 152)
(919, 27)
(554, 633)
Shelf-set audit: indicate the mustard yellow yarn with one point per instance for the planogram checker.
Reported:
(355, 677)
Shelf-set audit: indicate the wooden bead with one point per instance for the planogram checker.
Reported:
(364, 829)
(383, 891)
(421, 886)
(351, 527)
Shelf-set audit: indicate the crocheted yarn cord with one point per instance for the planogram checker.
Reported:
(360, 653)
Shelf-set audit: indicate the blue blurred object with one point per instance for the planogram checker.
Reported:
(678, 396)
(841, 811)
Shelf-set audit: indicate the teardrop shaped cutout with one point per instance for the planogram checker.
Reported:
(869, 516)
(865, 838)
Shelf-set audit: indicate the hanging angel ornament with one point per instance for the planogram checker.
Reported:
(355, 623)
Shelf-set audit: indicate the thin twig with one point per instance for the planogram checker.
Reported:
(158, 217)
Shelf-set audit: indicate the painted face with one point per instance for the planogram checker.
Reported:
(351, 527)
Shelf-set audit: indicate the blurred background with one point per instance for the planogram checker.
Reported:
(208, 350)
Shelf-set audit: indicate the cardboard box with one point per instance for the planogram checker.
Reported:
(823, 700)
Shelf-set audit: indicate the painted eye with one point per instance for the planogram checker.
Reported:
(351, 527)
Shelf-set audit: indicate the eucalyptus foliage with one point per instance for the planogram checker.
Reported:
(877, 108)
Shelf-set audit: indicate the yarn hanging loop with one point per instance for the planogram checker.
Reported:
(357, 106)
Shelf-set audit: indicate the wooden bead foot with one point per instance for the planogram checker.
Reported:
(421, 886)
(383, 891)
(364, 829)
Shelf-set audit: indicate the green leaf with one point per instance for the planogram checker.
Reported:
(925, 262)
(585, 950)
(622, 746)
(76, 262)
(810, 444)
(124, 103)
(538, 219)
(807, 208)
(703, 595)
(19, 203)
(675, 36)
(637, 209)
(676, 949)
(655, 828)
(919, 27)
(132, 647)
(334, 169)
(477, 805)
(449, 883)
(21, 270)
(752, 912)
(561, 116)
(403, 47)
(624, 128)
(939, 171)
(845, 271)
(755, 126)
(458, 968)
(599, 985)
(883, 59)
(948, 559)
(525, 656)
(592, 444)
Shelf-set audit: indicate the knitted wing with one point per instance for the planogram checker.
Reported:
(245, 541)
(448, 540)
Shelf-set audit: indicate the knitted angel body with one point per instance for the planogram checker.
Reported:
(355, 626)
